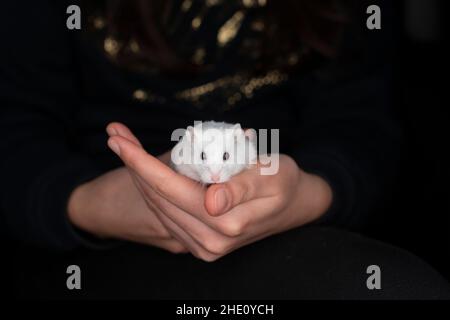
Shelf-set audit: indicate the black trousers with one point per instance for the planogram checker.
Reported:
(306, 263)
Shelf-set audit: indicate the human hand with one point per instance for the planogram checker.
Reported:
(215, 221)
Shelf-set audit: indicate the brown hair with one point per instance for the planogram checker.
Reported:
(313, 23)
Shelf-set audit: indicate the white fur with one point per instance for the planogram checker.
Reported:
(214, 139)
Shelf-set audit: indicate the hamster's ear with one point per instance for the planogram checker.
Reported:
(237, 130)
(190, 133)
(250, 134)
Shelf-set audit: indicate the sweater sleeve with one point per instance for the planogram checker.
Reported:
(38, 96)
(348, 133)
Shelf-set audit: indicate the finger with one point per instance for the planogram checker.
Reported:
(177, 189)
(155, 202)
(180, 232)
(119, 129)
(204, 241)
(175, 231)
(212, 247)
(206, 237)
(136, 158)
(173, 245)
(180, 191)
(165, 157)
(186, 239)
(248, 185)
(254, 216)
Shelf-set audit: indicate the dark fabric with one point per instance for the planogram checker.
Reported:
(310, 263)
(58, 93)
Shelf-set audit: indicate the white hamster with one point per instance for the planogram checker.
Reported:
(213, 152)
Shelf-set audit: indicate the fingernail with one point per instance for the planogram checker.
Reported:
(114, 146)
(221, 200)
(111, 131)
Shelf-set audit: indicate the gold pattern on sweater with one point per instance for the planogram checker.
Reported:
(230, 29)
(235, 87)
(186, 5)
(111, 46)
(226, 91)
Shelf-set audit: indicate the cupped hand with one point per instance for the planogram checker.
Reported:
(213, 221)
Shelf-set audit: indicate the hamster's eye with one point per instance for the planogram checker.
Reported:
(226, 156)
(203, 155)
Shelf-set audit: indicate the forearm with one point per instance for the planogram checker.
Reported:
(92, 206)
(314, 197)
(310, 201)
(111, 207)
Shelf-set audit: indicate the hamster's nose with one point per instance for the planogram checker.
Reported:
(215, 177)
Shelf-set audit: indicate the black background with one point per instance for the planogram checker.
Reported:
(418, 218)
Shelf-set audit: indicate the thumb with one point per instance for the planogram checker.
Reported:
(221, 198)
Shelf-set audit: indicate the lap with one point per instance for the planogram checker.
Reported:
(306, 263)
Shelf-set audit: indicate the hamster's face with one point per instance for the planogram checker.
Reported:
(219, 155)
